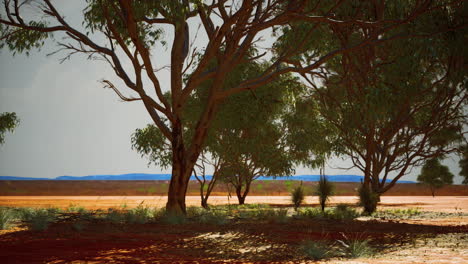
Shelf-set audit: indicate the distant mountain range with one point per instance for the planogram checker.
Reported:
(166, 177)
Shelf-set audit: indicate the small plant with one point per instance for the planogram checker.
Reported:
(279, 216)
(114, 216)
(311, 213)
(297, 196)
(173, 219)
(324, 191)
(213, 218)
(368, 199)
(315, 250)
(139, 215)
(356, 247)
(344, 212)
(38, 219)
(7, 216)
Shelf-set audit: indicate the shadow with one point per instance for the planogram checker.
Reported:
(238, 241)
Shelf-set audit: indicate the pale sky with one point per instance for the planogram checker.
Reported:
(71, 125)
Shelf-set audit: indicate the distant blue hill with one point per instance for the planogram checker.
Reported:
(166, 177)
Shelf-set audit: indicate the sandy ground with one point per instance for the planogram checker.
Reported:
(424, 203)
(446, 241)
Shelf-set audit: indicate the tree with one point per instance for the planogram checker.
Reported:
(397, 104)
(324, 191)
(8, 123)
(127, 35)
(435, 175)
(246, 139)
(464, 164)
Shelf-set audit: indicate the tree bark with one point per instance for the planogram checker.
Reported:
(181, 171)
(240, 196)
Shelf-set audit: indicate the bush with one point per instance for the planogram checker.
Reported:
(115, 216)
(311, 213)
(139, 215)
(397, 213)
(344, 212)
(297, 196)
(213, 218)
(7, 216)
(315, 250)
(368, 199)
(324, 191)
(356, 247)
(38, 219)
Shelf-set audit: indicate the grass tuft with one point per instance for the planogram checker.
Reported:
(7, 216)
(315, 250)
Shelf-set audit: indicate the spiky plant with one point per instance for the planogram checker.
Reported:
(368, 199)
(297, 196)
(324, 191)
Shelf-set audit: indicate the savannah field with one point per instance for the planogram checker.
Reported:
(51, 227)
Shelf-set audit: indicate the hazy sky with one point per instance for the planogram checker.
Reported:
(70, 125)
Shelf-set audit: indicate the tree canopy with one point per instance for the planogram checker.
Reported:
(435, 175)
(394, 105)
(8, 123)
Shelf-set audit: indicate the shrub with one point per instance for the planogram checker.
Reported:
(368, 199)
(297, 196)
(344, 212)
(315, 250)
(139, 215)
(324, 191)
(115, 216)
(172, 219)
(356, 247)
(213, 218)
(38, 219)
(311, 213)
(7, 216)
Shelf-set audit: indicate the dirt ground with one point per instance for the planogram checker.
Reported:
(440, 236)
(424, 203)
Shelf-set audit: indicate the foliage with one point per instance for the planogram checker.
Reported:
(356, 247)
(297, 196)
(435, 175)
(139, 215)
(341, 213)
(315, 250)
(8, 122)
(38, 219)
(324, 191)
(463, 163)
(397, 213)
(368, 199)
(390, 106)
(7, 216)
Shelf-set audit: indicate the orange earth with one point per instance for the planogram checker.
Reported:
(442, 239)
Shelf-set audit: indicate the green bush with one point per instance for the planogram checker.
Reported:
(213, 218)
(324, 191)
(356, 247)
(315, 250)
(397, 213)
(7, 216)
(114, 216)
(368, 199)
(344, 212)
(297, 196)
(38, 219)
(139, 215)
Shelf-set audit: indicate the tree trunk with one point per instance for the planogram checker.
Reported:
(433, 192)
(239, 195)
(181, 171)
(204, 202)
